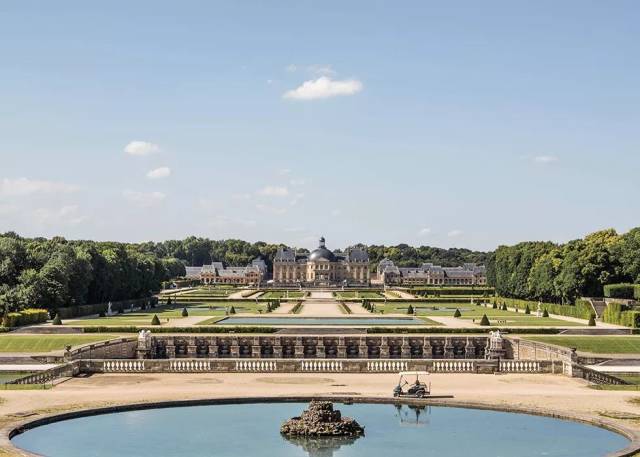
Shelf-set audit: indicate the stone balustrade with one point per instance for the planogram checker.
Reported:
(387, 366)
(520, 366)
(453, 366)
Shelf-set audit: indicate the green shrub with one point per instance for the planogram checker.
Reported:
(495, 306)
(582, 309)
(619, 290)
(592, 320)
(527, 310)
(410, 310)
(232, 310)
(185, 313)
(57, 320)
(155, 320)
(617, 313)
(457, 313)
(545, 313)
(504, 307)
(485, 321)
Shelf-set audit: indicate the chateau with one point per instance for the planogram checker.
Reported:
(469, 274)
(321, 266)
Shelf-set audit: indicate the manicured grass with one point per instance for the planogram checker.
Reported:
(278, 294)
(595, 344)
(428, 321)
(471, 312)
(211, 321)
(46, 343)
(357, 294)
(164, 313)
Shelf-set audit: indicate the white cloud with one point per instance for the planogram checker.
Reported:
(66, 215)
(271, 209)
(24, 186)
(144, 199)
(324, 70)
(224, 221)
(243, 196)
(324, 87)
(269, 81)
(545, 159)
(273, 191)
(141, 148)
(291, 68)
(424, 231)
(454, 233)
(158, 173)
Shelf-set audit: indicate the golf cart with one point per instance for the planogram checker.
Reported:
(416, 390)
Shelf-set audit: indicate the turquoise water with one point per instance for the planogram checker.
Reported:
(320, 321)
(253, 430)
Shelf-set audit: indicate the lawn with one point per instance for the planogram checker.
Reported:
(475, 312)
(164, 313)
(357, 294)
(278, 294)
(46, 343)
(595, 344)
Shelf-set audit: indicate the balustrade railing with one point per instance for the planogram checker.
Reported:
(453, 366)
(321, 365)
(387, 366)
(520, 366)
(256, 365)
(123, 366)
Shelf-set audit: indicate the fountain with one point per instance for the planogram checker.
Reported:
(321, 420)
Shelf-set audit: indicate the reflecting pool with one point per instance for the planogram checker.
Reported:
(249, 430)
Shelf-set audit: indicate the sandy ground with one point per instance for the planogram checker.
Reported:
(542, 393)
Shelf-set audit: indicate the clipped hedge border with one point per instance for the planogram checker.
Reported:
(623, 290)
(132, 329)
(620, 314)
(582, 309)
(27, 316)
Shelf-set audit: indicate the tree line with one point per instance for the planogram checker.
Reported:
(55, 273)
(560, 273)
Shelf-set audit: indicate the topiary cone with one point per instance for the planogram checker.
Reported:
(185, 313)
(457, 313)
(545, 313)
(592, 320)
(232, 310)
(485, 321)
(410, 310)
(155, 320)
(527, 310)
(58, 321)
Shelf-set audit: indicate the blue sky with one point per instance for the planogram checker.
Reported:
(466, 124)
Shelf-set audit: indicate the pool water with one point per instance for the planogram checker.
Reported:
(249, 430)
(369, 321)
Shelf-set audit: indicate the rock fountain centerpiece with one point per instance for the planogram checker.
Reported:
(321, 420)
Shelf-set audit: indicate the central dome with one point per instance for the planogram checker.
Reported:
(322, 253)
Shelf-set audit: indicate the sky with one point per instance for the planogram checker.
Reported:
(467, 124)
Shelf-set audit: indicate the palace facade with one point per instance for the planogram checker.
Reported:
(469, 274)
(217, 273)
(321, 266)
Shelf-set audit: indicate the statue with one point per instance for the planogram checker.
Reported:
(539, 310)
(109, 310)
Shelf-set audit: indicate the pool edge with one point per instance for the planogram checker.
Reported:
(10, 431)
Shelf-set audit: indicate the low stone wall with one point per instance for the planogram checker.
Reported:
(533, 350)
(122, 348)
(66, 370)
(317, 366)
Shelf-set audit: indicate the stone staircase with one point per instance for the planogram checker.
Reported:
(598, 305)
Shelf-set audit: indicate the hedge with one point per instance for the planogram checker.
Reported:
(582, 309)
(476, 292)
(27, 316)
(617, 313)
(621, 290)
(131, 329)
(69, 312)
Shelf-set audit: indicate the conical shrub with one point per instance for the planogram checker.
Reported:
(485, 321)
(527, 310)
(58, 321)
(232, 310)
(545, 313)
(155, 320)
(185, 313)
(592, 320)
(410, 310)
(457, 313)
